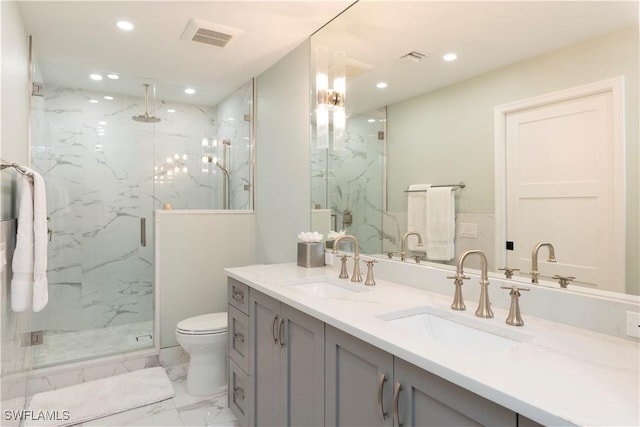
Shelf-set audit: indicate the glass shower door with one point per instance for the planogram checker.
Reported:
(97, 164)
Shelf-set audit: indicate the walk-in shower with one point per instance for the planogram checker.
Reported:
(105, 175)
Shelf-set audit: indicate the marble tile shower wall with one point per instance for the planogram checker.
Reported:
(353, 180)
(192, 131)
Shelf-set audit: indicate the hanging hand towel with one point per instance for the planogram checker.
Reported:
(29, 283)
(40, 239)
(22, 265)
(441, 224)
(416, 213)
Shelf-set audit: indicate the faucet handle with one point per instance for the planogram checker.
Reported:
(390, 254)
(458, 276)
(514, 318)
(343, 267)
(563, 280)
(508, 272)
(370, 280)
(418, 258)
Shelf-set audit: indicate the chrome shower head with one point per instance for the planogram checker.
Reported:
(146, 117)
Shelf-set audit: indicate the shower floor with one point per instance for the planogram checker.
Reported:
(66, 347)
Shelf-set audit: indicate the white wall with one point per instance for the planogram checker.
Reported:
(283, 183)
(14, 80)
(14, 147)
(192, 250)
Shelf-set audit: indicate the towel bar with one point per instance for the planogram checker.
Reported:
(454, 187)
(20, 169)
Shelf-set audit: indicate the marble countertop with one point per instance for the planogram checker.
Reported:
(559, 375)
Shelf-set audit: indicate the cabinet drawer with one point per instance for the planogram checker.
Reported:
(238, 295)
(239, 393)
(238, 337)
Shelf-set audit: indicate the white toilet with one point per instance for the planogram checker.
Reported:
(205, 339)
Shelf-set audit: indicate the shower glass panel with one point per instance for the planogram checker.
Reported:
(97, 164)
(340, 198)
(203, 151)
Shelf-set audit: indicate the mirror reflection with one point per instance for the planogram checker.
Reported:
(440, 128)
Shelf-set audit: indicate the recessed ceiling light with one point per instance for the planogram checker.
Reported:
(93, 101)
(113, 76)
(371, 120)
(189, 91)
(450, 57)
(381, 85)
(108, 98)
(124, 25)
(95, 76)
(102, 123)
(171, 110)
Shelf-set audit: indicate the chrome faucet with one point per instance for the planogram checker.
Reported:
(484, 306)
(403, 249)
(356, 276)
(534, 259)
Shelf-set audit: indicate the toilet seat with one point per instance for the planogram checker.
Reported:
(207, 324)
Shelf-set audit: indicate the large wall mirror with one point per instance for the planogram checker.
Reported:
(414, 117)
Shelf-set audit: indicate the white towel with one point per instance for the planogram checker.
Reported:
(441, 224)
(29, 283)
(417, 214)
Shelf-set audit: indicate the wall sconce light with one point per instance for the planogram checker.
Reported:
(330, 100)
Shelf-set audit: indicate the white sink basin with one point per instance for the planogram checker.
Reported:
(325, 289)
(470, 335)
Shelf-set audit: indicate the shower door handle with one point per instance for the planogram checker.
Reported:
(143, 232)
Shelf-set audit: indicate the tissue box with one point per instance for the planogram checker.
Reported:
(310, 254)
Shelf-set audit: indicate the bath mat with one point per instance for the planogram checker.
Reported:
(96, 399)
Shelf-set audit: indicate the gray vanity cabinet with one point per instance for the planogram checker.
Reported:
(360, 391)
(425, 400)
(287, 365)
(359, 379)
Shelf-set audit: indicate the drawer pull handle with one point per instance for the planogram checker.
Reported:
(382, 378)
(280, 333)
(396, 396)
(273, 329)
(238, 295)
(238, 393)
(238, 337)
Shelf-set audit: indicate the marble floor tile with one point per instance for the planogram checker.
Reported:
(183, 410)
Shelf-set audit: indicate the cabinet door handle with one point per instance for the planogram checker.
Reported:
(238, 337)
(273, 329)
(394, 408)
(237, 295)
(238, 393)
(382, 378)
(280, 333)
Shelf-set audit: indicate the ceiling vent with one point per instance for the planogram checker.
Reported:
(414, 56)
(208, 33)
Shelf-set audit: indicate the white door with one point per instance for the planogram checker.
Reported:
(560, 189)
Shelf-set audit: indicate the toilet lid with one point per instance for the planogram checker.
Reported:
(206, 324)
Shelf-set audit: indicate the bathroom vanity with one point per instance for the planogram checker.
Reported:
(308, 348)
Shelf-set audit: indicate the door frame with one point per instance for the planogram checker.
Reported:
(616, 87)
